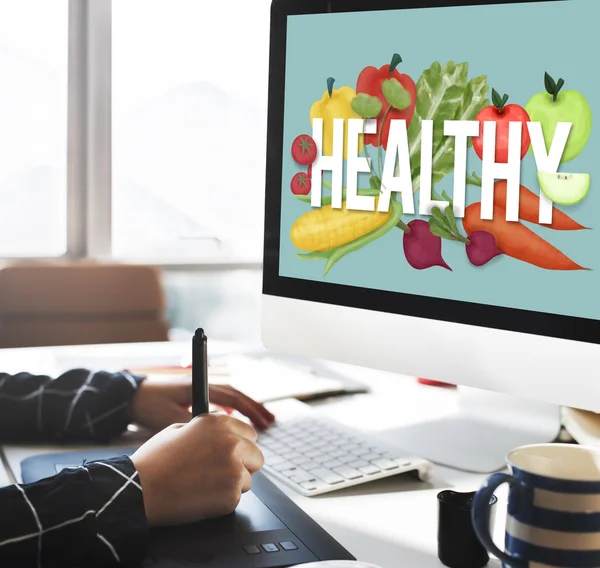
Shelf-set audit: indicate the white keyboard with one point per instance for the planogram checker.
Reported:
(314, 454)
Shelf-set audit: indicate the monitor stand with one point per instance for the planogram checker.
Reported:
(479, 436)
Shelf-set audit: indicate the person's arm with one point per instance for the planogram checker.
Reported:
(78, 405)
(90, 516)
(97, 515)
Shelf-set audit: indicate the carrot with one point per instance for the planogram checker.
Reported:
(529, 207)
(517, 241)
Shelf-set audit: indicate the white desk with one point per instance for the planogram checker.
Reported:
(392, 522)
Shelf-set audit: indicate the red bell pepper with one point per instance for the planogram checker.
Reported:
(370, 81)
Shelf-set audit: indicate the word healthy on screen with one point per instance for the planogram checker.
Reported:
(399, 180)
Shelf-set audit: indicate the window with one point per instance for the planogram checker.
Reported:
(33, 127)
(156, 109)
(189, 104)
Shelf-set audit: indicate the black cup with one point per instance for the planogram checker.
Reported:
(458, 545)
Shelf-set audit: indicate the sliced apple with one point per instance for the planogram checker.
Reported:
(564, 189)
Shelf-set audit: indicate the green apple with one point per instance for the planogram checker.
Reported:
(554, 106)
(564, 189)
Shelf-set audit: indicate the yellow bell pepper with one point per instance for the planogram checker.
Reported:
(335, 103)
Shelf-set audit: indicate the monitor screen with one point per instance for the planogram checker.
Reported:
(444, 153)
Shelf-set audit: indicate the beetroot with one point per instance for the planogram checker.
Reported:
(481, 248)
(421, 247)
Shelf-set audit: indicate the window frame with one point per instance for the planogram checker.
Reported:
(89, 148)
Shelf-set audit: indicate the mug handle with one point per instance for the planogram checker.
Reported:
(481, 517)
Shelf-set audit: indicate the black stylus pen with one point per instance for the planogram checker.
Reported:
(199, 374)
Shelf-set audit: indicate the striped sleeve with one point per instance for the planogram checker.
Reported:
(79, 405)
(88, 516)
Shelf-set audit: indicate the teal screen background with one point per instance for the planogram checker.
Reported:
(513, 44)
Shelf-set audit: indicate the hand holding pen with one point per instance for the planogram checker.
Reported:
(223, 395)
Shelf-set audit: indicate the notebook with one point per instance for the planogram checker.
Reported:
(267, 378)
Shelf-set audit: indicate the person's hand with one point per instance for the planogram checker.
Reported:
(195, 471)
(158, 403)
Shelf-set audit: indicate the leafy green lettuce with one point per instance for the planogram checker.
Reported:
(443, 93)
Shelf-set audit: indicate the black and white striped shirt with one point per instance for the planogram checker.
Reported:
(90, 516)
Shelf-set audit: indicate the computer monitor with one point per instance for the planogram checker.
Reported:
(429, 209)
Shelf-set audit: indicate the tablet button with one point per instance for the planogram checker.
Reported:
(252, 549)
(270, 547)
(288, 545)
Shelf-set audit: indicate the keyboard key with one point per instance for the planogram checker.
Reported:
(370, 456)
(289, 472)
(320, 444)
(309, 485)
(289, 545)
(291, 455)
(385, 464)
(252, 549)
(327, 476)
(360, 451)
(302, 476)
(313, 453)
(348, 472)
(301, 460)
(348, 458)
(331, 464)
(369, 470)
(283, 466)
(311, 465)
(322, 458)
(270, 547)
(337, 453)
(357, 463)
(274, 460)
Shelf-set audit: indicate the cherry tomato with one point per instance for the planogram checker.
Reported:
(300, 184)
(502, 114)
(304, 150)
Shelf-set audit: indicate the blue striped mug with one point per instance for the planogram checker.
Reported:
(553, 515)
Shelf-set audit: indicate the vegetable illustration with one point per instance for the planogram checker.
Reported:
(444, 92)
(399, 87)
(366, 106)
(335, 103)
(326, 228)
(395, 94)
(502, 114)
(354, 237)
(481, 248)
(516, 240)
(529, 206)
(300, 184)
(422, 248)
(564, 189)
(304, 150)
(554, 106)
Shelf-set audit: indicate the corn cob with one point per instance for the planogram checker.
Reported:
(326, 228)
